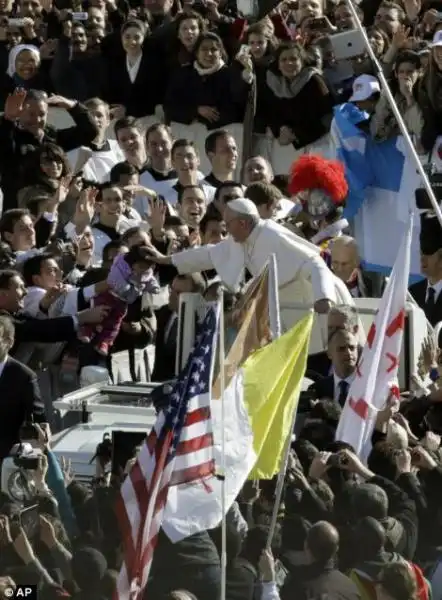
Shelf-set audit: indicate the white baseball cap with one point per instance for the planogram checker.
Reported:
(364, 87)
(437, 39)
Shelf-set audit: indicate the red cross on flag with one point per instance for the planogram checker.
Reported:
(377, 371)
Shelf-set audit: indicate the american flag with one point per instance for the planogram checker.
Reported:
(178, 450)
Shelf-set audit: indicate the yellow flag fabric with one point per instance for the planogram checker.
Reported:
(272, 379)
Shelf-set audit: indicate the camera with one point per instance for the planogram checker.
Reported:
(16, 471)
(423, 201)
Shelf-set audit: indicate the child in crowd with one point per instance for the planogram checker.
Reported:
(130, 276)
(96, 161)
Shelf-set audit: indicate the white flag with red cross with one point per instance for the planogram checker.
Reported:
(377, 371)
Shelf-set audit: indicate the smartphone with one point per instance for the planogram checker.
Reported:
(124, 445)
(318, 24)
(79, 16)
(30, 521)
(16, 22)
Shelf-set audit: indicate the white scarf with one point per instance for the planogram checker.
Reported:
(15, 51)
(202, 71)
(133, 69)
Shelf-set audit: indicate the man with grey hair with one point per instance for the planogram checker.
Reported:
(340, 317)
(346, 264)
(303, 277)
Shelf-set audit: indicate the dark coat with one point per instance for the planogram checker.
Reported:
(20, 400)
(224, 90)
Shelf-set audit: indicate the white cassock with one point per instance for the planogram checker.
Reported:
(303, 276)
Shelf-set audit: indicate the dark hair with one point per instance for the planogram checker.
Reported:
(54, 152)
(225, 185)
(212, 37)
(382, 460)
(138, 254)
(199, 284)
(263, 28)
(6, 275)
(284, 47)
(130, 232)
(393, 6)
(182, 190)
(212, 216)
(212, 139)
(112, 245)
(187, 16)
(10, 218)
(158, 127)
(407, 56)
(36, 96)
(121, 168)
(262, 194)
(183, 143)
(174, 221)
(125, 123)
(32, 266)
(136, 24)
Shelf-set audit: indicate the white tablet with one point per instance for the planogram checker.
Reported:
(347, 44)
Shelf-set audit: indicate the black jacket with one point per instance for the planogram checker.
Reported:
(46, 331)
(78, 77)
(16, 146)
(224, 90)
(165, 349)
(139, 97)
(419, 291)
(20, 400)
(316, 581)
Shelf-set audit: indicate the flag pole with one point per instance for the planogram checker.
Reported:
(222, 378)
(275, 325)
(386, 89)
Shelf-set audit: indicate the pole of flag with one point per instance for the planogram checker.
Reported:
(404, 131)
(222, 377)
(275, 324)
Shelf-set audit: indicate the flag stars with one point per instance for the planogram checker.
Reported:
(196, 377)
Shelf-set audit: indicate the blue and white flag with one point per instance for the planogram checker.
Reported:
(382, 179)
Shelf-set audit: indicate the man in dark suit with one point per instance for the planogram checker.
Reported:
(427, 293)
(29, 329)
(340, 317)
(167, 325)
(20, 398)
(343, 351)
(346, 264)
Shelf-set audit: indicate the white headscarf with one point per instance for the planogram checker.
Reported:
(16, 50)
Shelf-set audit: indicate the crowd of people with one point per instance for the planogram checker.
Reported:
(185, 118)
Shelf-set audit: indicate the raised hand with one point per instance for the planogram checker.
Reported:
(85, 209)
(14, 104)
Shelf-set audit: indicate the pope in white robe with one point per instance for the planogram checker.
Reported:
(304, 280)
